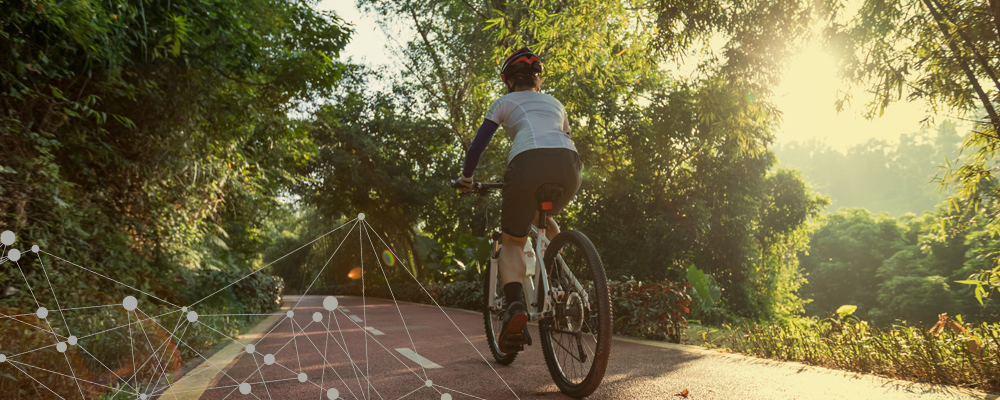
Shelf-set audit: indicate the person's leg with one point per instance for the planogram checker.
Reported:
(512, 266)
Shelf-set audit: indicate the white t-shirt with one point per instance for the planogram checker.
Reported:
(532, 120)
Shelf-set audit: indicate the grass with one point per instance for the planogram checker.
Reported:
(967, 357)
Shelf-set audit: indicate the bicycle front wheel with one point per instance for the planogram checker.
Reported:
(576, 341)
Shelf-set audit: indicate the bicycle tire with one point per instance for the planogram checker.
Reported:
(592, 323)
(493, 320)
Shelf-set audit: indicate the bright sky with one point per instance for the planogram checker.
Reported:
(806, 95)
(368, 44)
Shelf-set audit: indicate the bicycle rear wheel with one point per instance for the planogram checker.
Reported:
(493, 320)
(576, 341)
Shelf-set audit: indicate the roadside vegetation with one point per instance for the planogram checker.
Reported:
(176, 146)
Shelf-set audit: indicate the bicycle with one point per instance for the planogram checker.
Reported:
(571, 304)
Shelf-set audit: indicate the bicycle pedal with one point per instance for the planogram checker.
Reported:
(514, 343)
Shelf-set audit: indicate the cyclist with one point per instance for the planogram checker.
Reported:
(541, 153)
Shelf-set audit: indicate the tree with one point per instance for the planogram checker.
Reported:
(844, 257)
(145, 137)
(939, 51)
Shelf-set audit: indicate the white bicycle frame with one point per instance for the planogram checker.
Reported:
(533, 281)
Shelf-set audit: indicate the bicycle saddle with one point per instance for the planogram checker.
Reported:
(548, 193)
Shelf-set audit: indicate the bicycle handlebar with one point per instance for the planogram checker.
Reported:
(480, 188)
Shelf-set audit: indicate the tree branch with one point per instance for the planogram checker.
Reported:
(481, 15)
(438, 65)
(971, 46)
(983, 97)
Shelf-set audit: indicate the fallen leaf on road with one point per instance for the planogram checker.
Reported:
(682, 393)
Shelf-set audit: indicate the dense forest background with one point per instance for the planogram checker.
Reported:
(149, 139)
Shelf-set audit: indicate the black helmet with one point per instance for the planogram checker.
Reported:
(522, 61)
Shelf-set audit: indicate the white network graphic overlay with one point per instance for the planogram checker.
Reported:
(152, 362)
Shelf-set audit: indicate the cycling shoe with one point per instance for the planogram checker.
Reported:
(514, 333)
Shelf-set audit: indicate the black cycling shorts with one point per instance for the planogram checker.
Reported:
(525, 173)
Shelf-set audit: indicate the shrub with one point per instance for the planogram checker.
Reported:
(464, 295)
(650, 310)
(899, 351)
(254, 294)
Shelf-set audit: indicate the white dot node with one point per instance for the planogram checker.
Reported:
(130, 303)
(245, 388)
(269, 359)
(290, 313)
(61, 347)
(251, 348)
(192, 316)
(303, 377)
(14, 254)
(3, 358)
(361, 217)
(7, 238)
(184, 309)
(143, 396)
(317, 317)
(445, 396)
(72, 340)
(34, 249)
(332, 394)
(42, 312)
(428, 383)
(330, 303)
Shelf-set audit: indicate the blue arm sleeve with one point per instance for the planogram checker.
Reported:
(483, 137)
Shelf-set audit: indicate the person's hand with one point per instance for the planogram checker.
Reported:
(463, 184)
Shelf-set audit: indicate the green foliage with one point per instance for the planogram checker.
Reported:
(459, 260)
(706, 291)
(903, 268)
(939, 51)
(846, 311)
(970, 358)
(152, 136)
(150, 141)
(844, 257)
(984, 281)
(677, 170)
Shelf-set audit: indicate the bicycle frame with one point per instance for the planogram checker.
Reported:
(537, 281)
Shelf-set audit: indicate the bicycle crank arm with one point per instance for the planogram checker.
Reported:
(538, 316)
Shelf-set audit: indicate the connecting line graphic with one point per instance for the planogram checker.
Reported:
(150, 367)
(449, 318)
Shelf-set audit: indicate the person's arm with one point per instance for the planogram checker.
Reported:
(483, 137)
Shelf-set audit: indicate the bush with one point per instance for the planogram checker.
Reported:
(254, 294)
(107, 350)
(650, 310)
(964, 356)
(465, 295)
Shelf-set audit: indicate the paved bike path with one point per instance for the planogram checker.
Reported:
(410, 344)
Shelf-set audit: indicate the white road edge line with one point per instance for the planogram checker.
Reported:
(417, 358)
